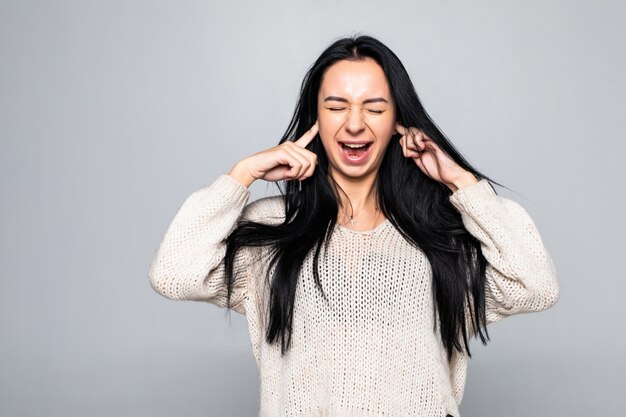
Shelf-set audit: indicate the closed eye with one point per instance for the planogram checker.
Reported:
(343, 108)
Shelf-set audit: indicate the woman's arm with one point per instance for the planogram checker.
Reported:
(520, 275)
(189, 262)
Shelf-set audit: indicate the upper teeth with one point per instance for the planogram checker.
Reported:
(355, 145)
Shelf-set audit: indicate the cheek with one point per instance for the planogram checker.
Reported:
(382, 126)
(325, 133)
(329, 126)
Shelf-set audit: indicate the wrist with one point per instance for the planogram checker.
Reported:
(462, 181)
(241, 174)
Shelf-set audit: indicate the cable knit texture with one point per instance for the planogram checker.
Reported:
(370, 351)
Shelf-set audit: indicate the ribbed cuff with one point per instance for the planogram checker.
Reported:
(464, 199)
(226, 189)
(228, 179)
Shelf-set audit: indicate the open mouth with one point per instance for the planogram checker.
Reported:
(355, 152)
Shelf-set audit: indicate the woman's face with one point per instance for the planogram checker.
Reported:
(355, 107)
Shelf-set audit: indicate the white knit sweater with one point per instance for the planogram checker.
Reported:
(370, 351)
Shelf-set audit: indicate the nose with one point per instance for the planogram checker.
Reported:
(355, 122)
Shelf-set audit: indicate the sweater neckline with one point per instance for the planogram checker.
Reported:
(363, 232)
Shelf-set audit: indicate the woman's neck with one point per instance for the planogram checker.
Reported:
(357, 194)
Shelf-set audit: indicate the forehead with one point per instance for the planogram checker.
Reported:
(355, 80)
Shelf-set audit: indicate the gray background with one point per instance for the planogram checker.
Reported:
(112, 112)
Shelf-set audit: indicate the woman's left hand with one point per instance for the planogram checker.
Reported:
(430, 158)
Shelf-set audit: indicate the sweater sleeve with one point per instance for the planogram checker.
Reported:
(520, 275)
(189, 262)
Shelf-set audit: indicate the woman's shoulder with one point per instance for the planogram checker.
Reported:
(269, 209)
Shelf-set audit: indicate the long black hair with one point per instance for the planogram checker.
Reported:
(416, 205)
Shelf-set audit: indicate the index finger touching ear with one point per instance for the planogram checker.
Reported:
(308, 136)
(400, 129)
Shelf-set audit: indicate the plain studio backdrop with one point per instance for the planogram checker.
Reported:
(113, 112)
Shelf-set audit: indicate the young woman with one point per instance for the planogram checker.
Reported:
(385, 252)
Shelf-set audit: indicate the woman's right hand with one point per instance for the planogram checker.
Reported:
(289, 160)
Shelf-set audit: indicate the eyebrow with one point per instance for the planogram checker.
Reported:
(369, 100)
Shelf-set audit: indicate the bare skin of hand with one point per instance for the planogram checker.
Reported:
(287, 161)
(431, 159)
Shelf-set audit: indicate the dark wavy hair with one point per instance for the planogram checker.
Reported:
(416, 205)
